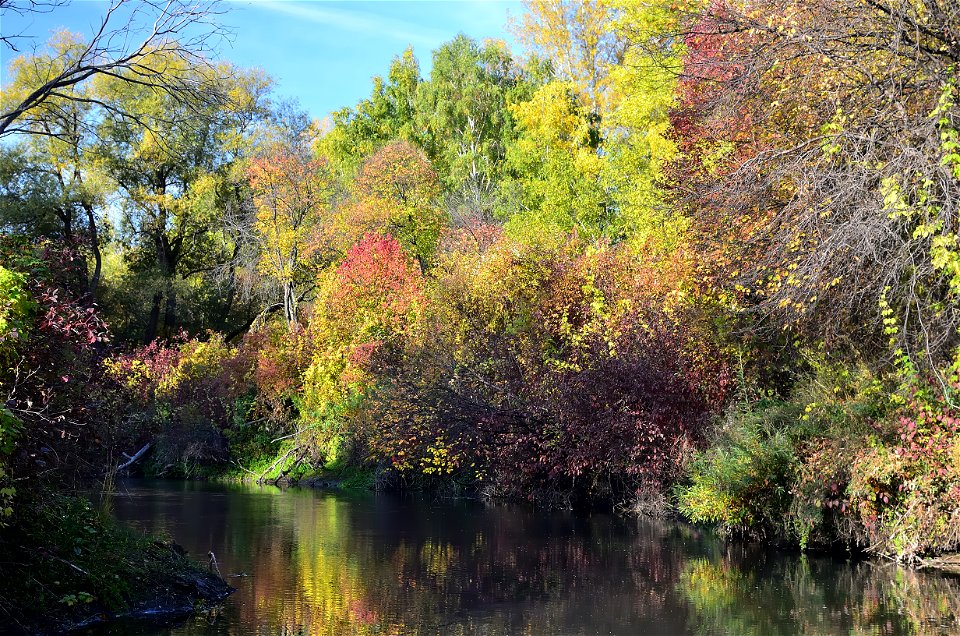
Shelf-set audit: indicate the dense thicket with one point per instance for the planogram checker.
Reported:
(679, 254)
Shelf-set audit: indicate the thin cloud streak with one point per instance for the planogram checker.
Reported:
(353, 21)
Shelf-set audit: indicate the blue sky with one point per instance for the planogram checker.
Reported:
(321, 52)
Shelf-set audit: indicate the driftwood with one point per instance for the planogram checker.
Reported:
(213, 566)
(946, 562)
(131, 459)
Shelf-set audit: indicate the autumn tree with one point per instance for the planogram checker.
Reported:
(579, 38)
(556, 168)
(638, 137)
(134, 43)
(368, 310)
(292, 194)
(820, 143)
(395, 192)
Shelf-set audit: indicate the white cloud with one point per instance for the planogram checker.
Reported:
(353, 21)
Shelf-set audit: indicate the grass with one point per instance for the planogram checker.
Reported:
(64, 562)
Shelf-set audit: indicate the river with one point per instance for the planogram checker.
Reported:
(318, 563)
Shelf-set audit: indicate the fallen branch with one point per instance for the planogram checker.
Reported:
(244, 468)
(277, 463)
(294, 464)
(133, 458)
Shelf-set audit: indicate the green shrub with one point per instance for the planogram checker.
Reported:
(742, 482)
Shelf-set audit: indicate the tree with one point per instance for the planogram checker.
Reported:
(841, 199)
(24, 8)
(388, 114)
(368, 309)
(639, 141)
(56, 175)
(168, 164)
(396, 192)
(458, 116)
(556, 169)
(143, 43)
(577, 36)
(462, 113)
(291, 193)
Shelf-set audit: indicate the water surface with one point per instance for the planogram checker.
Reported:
(328, 563)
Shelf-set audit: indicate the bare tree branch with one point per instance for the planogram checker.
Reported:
(131, 43)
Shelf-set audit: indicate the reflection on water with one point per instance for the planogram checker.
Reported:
(322, 563)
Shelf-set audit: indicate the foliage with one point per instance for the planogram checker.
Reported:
(845, 459)
(706, 249)
(742, 482)
(80, 564)
(370, 306)
(558, 169)
(579, 38)
(50, 370)
(186, 394)
(813, 206)
(396, 192)
(290, 194)
(530, 372)
(170, 164)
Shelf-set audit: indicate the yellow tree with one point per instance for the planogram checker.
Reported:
(557, 169)
(638, 135)
(577, 35)
(290, 194)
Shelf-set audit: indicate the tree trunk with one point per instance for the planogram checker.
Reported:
(290, 305)
(152, 322)
(170, 313)
(94, 281)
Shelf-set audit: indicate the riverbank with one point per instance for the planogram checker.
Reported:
(68, 566)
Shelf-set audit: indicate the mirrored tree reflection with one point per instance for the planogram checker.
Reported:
(321, 563)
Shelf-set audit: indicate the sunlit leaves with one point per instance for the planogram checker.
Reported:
(291, 195)
(395, 192)
(558, 168)
(367, 308)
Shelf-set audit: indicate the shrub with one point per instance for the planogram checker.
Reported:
(181, 396)
(548, 373)
(742, 482)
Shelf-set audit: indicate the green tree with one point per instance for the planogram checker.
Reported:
(388, 114)
(50, 180)
(462, 111)
(168, 162)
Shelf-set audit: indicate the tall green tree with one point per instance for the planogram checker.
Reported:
(388, 114)
(168, 162)
(462, 111)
